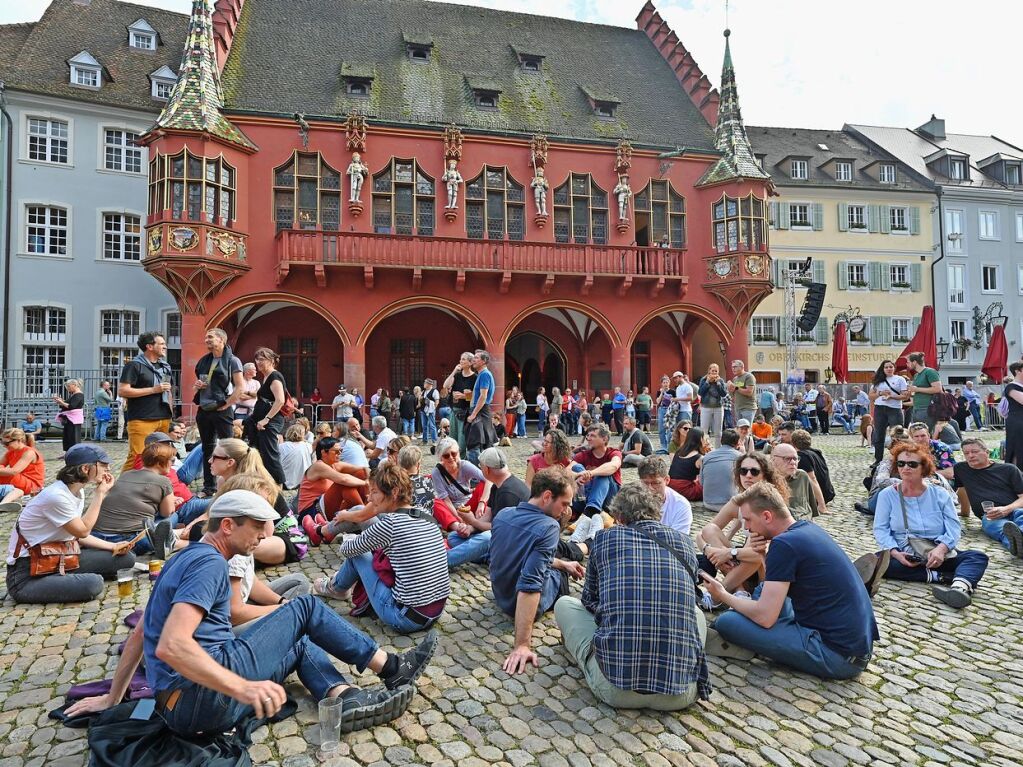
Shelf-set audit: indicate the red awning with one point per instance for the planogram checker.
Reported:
(840, 354)
(997, 357)
(923, 341)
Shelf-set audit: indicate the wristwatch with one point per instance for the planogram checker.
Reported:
(735, 554)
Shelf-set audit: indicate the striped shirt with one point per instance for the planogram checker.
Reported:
(417, 553)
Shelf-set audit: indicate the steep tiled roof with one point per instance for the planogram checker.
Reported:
(777, 144)
(287, 57)
(101, 28)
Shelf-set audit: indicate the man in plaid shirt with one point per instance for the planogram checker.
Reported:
(637, 634)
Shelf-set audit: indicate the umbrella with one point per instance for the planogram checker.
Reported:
(923, 340)
(997, 356)
(840, 354)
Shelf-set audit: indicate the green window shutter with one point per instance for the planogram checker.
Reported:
(785, 331)
(843, 217)
(914, 220)
(818, 270)
(820, 331)
(886, 277)
(874, 277)
(873, 217)
(776, 273)
(818, 217)
(881, 330)
(843, 275)
(776, 327)
(885, 218)
(886, 330)
(773, 213)
(914, 326)
(915, 277)
(782, 221)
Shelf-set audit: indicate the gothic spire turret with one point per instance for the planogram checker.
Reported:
(197, 99)
(737, 160)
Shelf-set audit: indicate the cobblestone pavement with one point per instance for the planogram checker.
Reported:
(942, 690)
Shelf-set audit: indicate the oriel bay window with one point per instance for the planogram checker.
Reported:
(580, 211)
(660, 215)
(494, 203)
(194, 188)
(307, 194)
(739, 224)
(403, 199)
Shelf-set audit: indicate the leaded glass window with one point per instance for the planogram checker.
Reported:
(404, 199)
(580, 211)
(307, 194)
(495, 204)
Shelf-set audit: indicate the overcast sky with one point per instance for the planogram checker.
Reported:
(821, 63)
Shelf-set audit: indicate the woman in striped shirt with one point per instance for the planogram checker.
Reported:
(413, 543)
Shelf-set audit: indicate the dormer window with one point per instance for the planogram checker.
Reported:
(485, 99)
(605, 109)
(418, 45)
(843, 171)
(358, 86)
(798, 170)
(86, 72)
(886, 173)
(957, 169)
(142, 36)
(530, 63)
(162, 83)
(420, 53)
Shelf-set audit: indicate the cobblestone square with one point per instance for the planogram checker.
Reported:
(941, 690)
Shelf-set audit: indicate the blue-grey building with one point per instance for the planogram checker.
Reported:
(79, 86)
(978, 269)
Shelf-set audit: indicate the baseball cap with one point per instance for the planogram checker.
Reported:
(243, 503)
(82, 454)
(158, 436)
(742, 422)
(493, 458)
(677, 373)
(340, 387)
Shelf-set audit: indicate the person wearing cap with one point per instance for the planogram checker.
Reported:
(206, 678)
(343, 404)
(746, 441)
(684, 396)
(470, 539)
(56, 515)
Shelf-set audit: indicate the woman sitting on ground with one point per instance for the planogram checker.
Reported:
(917, 511)
(22, 469)
(453, 482)
(885, 475)
(415, 547)
(552, 422)
(329, 486)
(296, 456)
(55, 516)
(684, 472)
(139, 498)
(716, 551)
(557, 451)
(678, 436)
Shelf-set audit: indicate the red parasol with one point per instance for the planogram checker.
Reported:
(997, 356)
(840, 354)
(923, 341)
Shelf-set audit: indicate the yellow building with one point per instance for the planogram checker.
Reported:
(865, 221)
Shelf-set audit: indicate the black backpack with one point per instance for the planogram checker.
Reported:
(943, 406)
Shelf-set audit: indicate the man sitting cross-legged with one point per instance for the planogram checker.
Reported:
(526, 573)
(637, 634)
(470, 541)
(812, 612)
(601, 475)
(1000, 485)
(206, 678)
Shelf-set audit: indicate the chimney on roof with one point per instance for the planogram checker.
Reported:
(934, 128)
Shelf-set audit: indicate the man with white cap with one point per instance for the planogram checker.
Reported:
(206, 678)
(683, 396)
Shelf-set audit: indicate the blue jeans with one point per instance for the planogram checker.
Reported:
(408, 426)
(520, 424)
(444, 412)
(788, 643)
(296, 637)
(191, 467)
(804, 420)
(845, 422)
(380, 596)
(541, 422)
(661, 432)
(968, 565)
(993, 527)
(473, 549)
(142, 546)
(975, 412)
(598, 493)
(101, 431)
(192, 508)
(429, 428)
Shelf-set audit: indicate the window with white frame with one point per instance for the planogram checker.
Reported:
(806, 336)
(886, 173)
(799, 214)
(162, 90)
(901, 328)
(956, 169)
(1019, 227)
(898, 217)
(172, 329)
(1019, 278)
(991, 278)
(1012, 173)
(858, 217)
(47, 140)
(799, 169)
(143, 40)
(44, 324)
(988, 225)
(46, 230)
(162, 83)
(958, 332)
(44, 370)
(856, 274)
(899, 276)
(843, 171)
(121, 151)
(957, 285)
(122, 237)
(120, 327)
(86, 71)
(954, 229)
(764, 330)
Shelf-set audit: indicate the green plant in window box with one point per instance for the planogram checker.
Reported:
(900, 228)
(902, 285)
(858, 284)
(857, 226)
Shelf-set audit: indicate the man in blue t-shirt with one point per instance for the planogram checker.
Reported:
(812, 612)
(479, 426)
(206, 679)
(526, 576)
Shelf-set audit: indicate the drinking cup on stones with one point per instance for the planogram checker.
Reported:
(330, 725)
(125, 582)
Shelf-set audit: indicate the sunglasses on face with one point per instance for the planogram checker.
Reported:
(753, 471)
(910, 464)
(449, 455)
(216, 457)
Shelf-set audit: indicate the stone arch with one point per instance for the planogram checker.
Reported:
(609, 330)
(722, 329)
(426, 302)
(289, 298)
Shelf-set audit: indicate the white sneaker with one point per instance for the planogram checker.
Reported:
(582, 530)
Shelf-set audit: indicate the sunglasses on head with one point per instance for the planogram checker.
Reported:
(753, 471)
(910, 464)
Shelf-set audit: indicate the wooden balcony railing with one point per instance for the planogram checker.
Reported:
(295, 247)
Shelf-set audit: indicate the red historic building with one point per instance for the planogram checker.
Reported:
(646, 252)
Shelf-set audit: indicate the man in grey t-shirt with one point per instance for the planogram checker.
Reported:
(716, 471)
